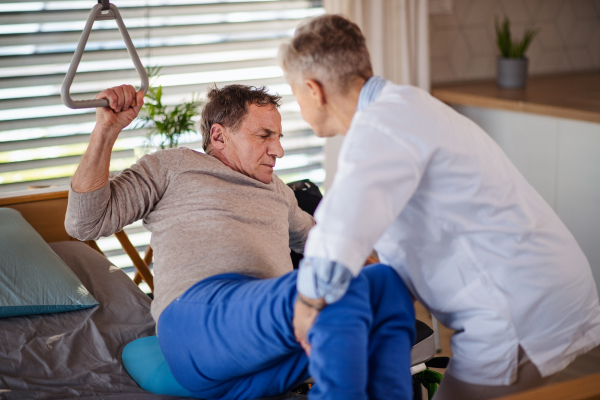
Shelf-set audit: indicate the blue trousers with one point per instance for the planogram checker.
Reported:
(231, 337)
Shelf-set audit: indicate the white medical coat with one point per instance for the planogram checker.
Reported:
(474, 242)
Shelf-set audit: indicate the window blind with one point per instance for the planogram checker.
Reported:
(196, 42)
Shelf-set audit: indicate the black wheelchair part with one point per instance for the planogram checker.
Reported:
(308, 196)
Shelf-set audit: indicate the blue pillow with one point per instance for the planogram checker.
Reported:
(33, 279)
(144, 361)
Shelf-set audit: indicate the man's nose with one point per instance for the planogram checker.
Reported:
(276, 149)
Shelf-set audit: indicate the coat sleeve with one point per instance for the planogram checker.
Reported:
(377, 176)
(126, 198)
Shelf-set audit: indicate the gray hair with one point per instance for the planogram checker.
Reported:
(329, 49)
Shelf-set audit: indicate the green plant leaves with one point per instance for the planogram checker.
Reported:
(430, 380)
(168, 122)
(509, 48)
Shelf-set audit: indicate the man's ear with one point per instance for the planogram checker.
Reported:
(217, 136)
(316, 92)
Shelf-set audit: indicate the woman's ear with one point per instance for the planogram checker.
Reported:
(217, 136)
(316, 92)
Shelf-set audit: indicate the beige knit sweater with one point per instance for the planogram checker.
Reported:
(205, 218)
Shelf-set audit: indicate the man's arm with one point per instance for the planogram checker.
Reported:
(89, 213)
(124, 106)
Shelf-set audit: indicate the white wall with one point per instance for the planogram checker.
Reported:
(332, 149)
(561, 160)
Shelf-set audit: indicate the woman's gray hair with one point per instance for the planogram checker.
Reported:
(329, 49)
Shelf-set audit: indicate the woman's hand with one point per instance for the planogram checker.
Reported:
(305, 312)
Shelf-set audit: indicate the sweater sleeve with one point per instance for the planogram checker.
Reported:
(126, 198)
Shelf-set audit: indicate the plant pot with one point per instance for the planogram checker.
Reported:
(511, 72)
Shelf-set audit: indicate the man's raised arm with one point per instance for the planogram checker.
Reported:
(124, 106)
(94, 208)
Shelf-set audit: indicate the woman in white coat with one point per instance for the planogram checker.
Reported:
(442, 204)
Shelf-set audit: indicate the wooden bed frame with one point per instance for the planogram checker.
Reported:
(45, 210)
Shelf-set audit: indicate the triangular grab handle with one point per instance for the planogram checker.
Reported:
(95, 15)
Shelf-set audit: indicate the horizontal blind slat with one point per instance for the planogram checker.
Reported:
(40, 43)
(53, 136)
(199, 84)
(211, 13)
(62, 60)
(31, 87)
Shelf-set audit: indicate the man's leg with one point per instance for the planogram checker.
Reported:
(361, 344)
(392, 336)
(339, 340)
(231, 337)
(273, 381)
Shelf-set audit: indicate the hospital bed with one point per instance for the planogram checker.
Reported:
(78, 354)
(74, 354)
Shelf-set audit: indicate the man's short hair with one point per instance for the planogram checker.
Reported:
(229, 105)
(330, 49)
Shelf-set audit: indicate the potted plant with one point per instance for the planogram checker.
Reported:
(512, 63)
(168, 123)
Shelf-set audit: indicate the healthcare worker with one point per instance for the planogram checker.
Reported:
(442, 204)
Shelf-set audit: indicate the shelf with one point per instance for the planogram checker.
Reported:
(573, 96)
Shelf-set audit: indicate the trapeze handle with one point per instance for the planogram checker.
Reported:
(96, 15)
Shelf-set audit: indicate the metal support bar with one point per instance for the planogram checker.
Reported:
(95, 15)
(148, 261)
(436, 335)
(138, 263)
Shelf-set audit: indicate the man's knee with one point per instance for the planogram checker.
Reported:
(382, 278)
(380, 272)
(389, 295)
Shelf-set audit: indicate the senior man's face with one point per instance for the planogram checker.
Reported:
(252, 150)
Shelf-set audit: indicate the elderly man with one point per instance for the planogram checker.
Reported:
(219, 221)
(443, 205)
